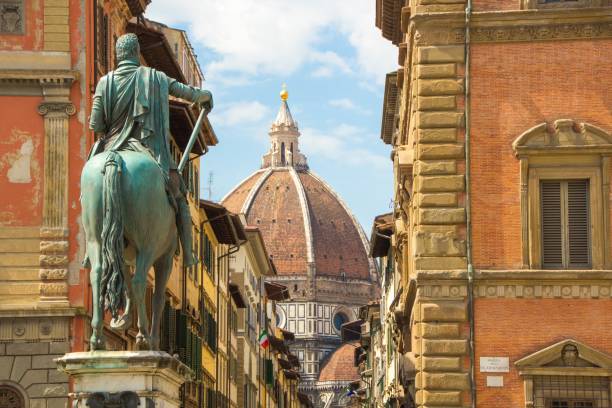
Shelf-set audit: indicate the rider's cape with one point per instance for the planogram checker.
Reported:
(131, 104)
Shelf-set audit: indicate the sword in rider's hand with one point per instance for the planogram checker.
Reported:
(194, 135)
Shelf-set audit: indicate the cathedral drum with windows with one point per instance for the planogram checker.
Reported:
(320, 252)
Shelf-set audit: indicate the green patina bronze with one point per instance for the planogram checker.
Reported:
(133, 202)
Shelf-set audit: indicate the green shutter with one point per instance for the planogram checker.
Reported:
(269, 372)
(181, 336)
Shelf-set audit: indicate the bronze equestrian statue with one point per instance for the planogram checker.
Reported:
(132, 196)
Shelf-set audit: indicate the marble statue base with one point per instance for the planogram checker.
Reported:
(126, 379)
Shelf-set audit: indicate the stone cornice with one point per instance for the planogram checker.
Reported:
(514, 26)
(524, 283)
(39, 76)
(427, 277)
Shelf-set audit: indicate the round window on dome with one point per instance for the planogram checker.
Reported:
(339, 319)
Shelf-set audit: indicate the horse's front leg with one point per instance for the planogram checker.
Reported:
(96, 341)
(139, 290)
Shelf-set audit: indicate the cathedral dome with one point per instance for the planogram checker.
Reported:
(306, 226)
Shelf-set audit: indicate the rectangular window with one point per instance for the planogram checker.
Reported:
(565, 224)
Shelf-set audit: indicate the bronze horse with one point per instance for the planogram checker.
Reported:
(142, 234)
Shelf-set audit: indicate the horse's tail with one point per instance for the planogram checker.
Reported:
(112, 282)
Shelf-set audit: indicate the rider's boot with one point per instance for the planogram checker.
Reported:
(184, 226)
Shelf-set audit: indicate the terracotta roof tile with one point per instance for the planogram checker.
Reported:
(341, 364)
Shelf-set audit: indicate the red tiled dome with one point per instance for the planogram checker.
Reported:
(303, 221)
(305, 225)
(341, 365)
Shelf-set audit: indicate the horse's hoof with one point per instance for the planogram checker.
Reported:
(142, 343)
(96, 343)
(121, 323)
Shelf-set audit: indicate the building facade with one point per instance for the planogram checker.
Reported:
(499, 123)
(319, 250)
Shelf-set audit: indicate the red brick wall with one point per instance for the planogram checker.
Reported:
(515, 328)
(514, 87)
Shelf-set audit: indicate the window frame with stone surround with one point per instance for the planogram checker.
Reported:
(548, 362)
(564, 151)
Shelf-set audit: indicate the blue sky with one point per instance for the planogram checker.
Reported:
(332, 59)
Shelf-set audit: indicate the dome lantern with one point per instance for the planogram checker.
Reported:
(284, 138)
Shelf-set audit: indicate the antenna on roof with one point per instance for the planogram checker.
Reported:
(210, 185)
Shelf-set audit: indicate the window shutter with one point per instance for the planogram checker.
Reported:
(552, 230)
(181, 336)
(578, 222)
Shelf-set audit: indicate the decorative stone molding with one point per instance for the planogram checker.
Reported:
(516, 26)
(53, 291)
(60, 108)
(53, 274)
(545, 291)
(31, 329)
(443, 291)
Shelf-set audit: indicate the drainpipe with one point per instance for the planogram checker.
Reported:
(468, 207)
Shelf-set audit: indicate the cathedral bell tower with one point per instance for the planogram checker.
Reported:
(284, 135)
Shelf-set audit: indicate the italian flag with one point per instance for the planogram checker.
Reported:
(264, 341)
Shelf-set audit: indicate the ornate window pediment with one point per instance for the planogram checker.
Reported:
(563, 356)
(564, 136)
(568, 373)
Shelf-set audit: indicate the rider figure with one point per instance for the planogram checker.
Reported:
(130, 112)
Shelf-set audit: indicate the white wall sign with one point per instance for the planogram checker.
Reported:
(494, 364)
(495, 381)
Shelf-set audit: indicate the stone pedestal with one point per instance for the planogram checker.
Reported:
(125, 379)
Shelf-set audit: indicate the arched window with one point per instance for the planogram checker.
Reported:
(283, 153)
(10, 397)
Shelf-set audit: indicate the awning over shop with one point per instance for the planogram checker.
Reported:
(276, 291)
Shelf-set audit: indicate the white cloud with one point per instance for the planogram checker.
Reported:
(344, 103)
(250, 37)
(339, 144)
(329, 63)
(348, 104)
(240, 113)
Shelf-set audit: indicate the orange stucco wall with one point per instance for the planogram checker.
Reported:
(516, 328)
(515, 86)
(21, 200)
